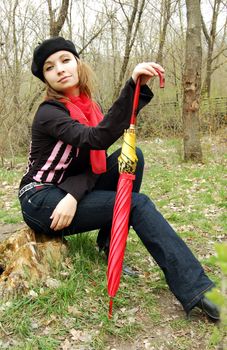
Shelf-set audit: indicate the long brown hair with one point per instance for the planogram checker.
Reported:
(86, 82)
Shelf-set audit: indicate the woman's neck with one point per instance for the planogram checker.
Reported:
(74, 91)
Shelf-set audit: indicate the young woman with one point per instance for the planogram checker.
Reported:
(70, 183)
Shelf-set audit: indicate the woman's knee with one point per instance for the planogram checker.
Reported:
(140, 201)
(142, 209)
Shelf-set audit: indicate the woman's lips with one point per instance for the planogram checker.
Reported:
(63, 79)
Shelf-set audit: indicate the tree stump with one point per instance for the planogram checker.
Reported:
(26, 258)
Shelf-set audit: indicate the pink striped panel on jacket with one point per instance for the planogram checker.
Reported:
(61, 164)
(49, 161)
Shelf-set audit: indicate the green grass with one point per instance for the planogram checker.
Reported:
(192, 198)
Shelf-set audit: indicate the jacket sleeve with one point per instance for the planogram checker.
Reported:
(79, 185)
(53, 118)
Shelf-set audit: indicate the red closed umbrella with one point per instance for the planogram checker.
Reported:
(119, 231)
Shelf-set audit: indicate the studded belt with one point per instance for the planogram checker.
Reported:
(28, 187)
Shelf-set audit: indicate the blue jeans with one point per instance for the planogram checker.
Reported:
(183, 272)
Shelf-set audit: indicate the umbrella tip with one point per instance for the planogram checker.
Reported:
(110, 308)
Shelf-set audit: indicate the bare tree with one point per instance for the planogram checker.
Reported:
(56, 24)
(192, 83)
(168, 7)
(14, 93)
(211, 36)
(133, 22)
(175, 49)
(111, 35)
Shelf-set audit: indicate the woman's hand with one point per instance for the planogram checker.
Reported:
(63, 213)
(147, 71)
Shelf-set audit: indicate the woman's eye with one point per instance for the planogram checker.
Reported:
(49, 68)
(66, 60)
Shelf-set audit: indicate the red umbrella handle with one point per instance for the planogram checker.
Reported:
(137, 94)
(161, 78)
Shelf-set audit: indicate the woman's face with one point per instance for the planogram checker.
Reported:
(60, 71)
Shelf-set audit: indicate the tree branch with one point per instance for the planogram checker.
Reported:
(205, 32)
(93, 37)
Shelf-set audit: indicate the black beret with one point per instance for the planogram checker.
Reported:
(47, 48)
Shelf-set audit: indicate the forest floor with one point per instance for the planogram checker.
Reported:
(71, 312)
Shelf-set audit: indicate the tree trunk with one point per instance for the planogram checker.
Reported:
(27, 259)
(130, 39)
(164, 21)
(192, 83)
(210, 38)
(57, 24)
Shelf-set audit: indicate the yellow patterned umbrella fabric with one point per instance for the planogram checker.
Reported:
(127, 160)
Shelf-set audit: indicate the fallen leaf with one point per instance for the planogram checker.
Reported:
(33, 294)
(66, 345)
(52, 283)
(74, 311)
(81, 336)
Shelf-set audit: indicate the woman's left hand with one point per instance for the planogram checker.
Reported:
(63, 213)
(147, 71)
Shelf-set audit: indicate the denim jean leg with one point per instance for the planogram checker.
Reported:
(37, 207)
(183, 272)
(95, 210)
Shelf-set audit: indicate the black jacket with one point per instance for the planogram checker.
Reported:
(60, 147)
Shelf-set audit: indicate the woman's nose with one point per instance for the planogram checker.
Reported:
(59, 68)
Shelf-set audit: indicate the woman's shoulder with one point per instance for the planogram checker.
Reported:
(48, 109)
(52, 104)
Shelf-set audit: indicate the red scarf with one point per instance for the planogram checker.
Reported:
(87, 112)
